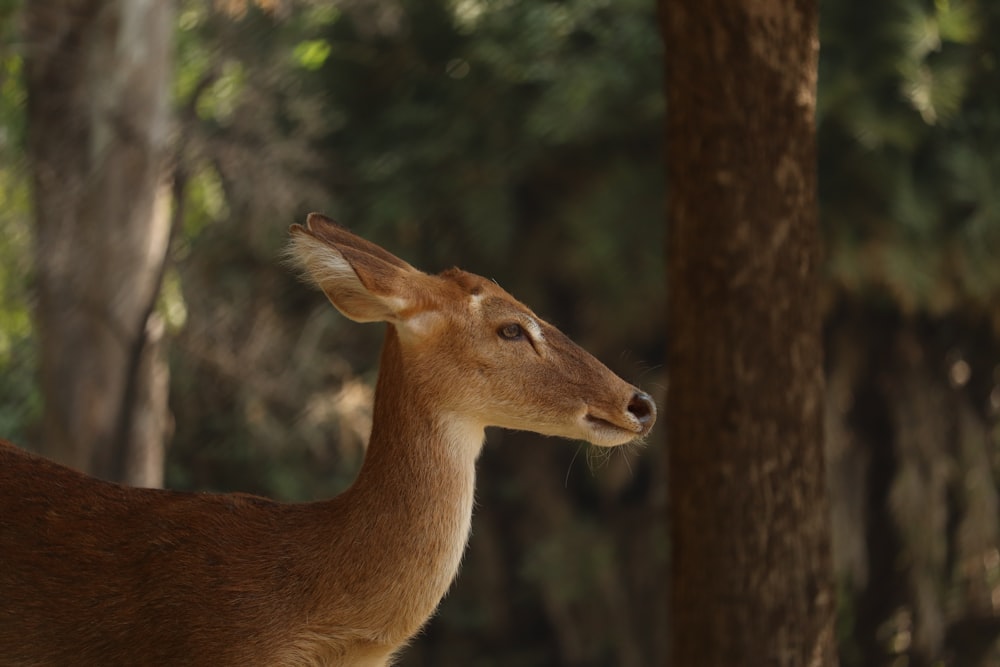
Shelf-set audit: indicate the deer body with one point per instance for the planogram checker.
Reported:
(95, 573)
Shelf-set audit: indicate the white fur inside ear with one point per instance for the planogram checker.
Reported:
(331, 272)
(322, 264)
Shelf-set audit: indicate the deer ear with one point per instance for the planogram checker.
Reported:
(363, 281)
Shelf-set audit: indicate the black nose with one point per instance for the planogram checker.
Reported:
(642, 408)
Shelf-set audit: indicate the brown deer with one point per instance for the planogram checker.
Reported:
(95, 573)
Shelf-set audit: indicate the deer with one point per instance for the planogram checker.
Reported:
(97, 573)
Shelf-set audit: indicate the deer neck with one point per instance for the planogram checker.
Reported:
(412, 500)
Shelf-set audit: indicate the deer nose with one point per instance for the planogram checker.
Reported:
(643, 409)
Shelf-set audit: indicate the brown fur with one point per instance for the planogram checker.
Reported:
(94, 573)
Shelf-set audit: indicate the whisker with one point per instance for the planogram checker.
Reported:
(570, 466)
(597, 457)
(626, 450)
(646, 370)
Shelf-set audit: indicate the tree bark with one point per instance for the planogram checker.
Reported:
(751, 571)
(97, 76)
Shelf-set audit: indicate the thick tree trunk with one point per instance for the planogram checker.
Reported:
(751, 573)
(98, 74)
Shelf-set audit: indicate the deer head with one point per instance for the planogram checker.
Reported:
(472, 349)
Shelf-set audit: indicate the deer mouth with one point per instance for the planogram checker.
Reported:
(601, 422)
(607, 433)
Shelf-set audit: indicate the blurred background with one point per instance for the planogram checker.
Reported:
(152, 156)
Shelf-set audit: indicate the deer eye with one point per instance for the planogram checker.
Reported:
(511, 331)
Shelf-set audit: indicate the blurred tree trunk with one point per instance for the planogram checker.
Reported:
(751, 574)
(97, 76)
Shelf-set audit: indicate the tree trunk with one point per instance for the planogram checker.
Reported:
(751, 573)
(98, 74)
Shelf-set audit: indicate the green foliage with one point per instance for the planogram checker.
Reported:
(909, 108)
(20, 401)
(312, 53)
(509, 134)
